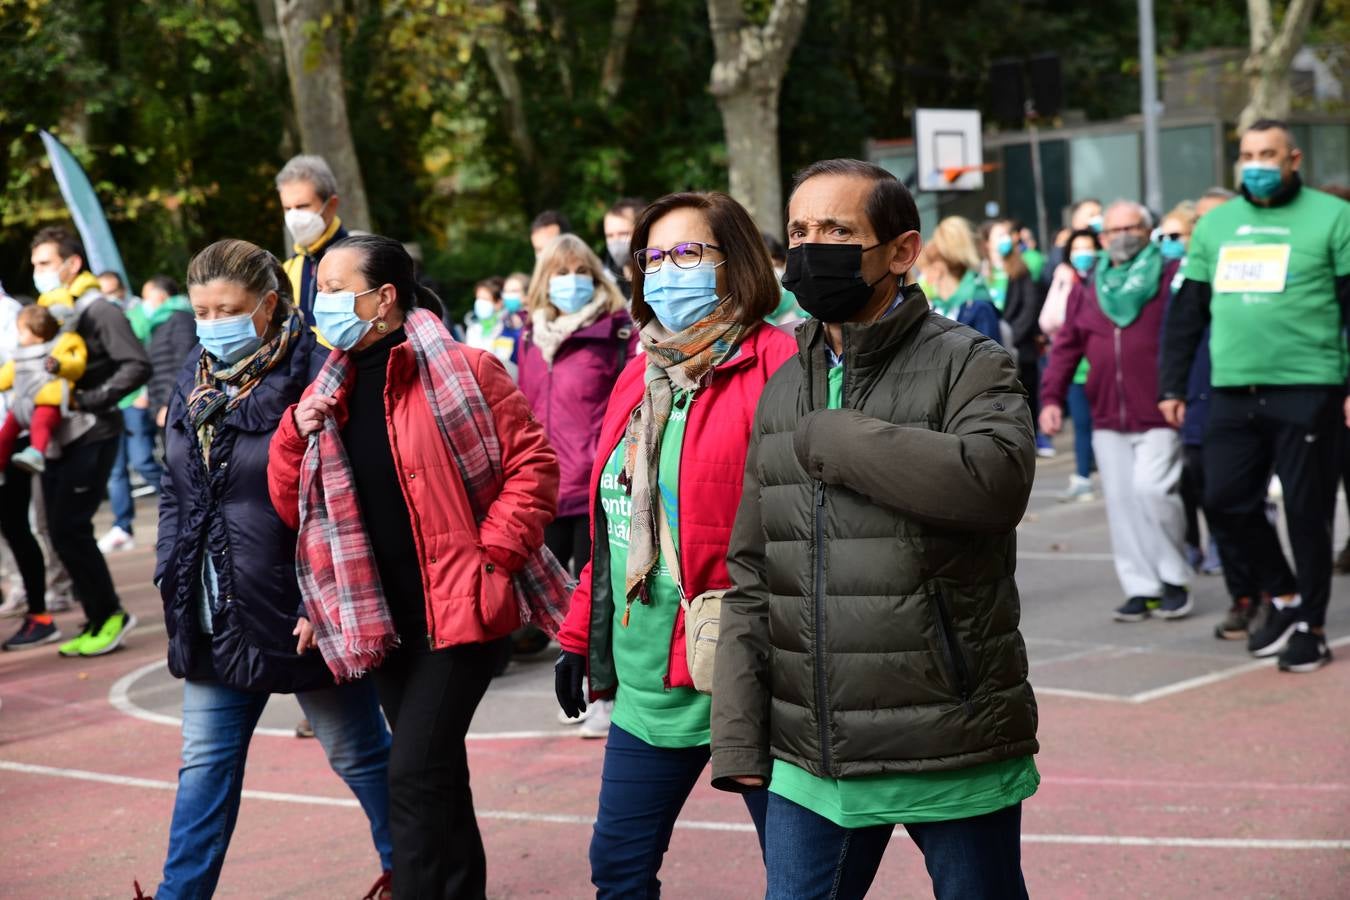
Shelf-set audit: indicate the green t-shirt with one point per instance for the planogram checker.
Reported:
(1275, 319)
(998, 288)
(1035, 261)
(643, 705)
(910, 797)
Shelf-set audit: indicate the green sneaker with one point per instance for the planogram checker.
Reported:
(109, 637)
(75, 645)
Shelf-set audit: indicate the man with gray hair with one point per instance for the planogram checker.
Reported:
(309, 198)
(1115, 321)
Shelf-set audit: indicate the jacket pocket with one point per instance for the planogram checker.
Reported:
(954, 658)
(498, 611)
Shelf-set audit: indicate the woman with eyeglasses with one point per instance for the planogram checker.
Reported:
(663, 496)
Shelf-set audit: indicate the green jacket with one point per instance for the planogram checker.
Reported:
(873, 623)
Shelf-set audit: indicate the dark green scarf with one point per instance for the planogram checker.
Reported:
(1123, 290)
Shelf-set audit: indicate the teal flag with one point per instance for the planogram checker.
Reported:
(99, 246)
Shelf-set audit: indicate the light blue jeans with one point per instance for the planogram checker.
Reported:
(218, 723)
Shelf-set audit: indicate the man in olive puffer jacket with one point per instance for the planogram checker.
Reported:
(870, 668)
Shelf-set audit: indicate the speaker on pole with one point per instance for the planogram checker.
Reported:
(1047, 84)
(1007, 94)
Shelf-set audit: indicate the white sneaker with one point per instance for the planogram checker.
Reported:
(1078, 491)
(15, 604)
(597, 720)
(59, 603)
(565, 719)
(116, 539)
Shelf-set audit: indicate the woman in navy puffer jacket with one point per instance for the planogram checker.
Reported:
(226, 567)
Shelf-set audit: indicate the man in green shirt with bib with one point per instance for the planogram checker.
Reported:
(869, 668)
(1270, 273)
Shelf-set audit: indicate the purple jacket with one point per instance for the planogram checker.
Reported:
(569, 397)
(1122, 385)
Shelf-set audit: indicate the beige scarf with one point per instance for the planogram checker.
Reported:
(550, 331)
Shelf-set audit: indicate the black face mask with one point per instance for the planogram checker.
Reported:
(827, 279)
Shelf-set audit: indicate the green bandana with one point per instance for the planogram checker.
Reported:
(971, 288)
(1123, 290)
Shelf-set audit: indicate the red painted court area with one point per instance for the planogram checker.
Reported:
(1172, 767)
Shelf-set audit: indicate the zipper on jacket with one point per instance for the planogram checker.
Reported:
(1120, 381)
(822, 697)
(956, 660)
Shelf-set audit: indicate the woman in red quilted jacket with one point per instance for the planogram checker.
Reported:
(420, 485)
(671, 454)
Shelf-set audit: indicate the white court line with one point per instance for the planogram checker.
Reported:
(1215, 677)
(119, 695)
(1109, 840)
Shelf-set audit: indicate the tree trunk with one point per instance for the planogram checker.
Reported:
(1272, 52)
(313, 50)
(289, 139)
(621, 31)
(750, 121)
(746, 77)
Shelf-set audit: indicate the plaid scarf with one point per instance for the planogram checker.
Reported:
(336, 568)
(684, 360)
(209, 399)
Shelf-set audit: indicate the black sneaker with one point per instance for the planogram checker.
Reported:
(33, 634)
(1134, 610)
(1272, 633)
(1305, 652)
(1175, 603)
(1234, 625)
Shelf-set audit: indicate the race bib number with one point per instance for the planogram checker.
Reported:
(1252, 269)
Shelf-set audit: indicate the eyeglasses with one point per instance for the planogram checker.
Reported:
(685, 255)
(1111, 232)
(1170, 235)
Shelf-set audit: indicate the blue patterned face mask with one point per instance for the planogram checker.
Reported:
(335, 317)
(1082, 261)
(570, 292)
(680, 297)
(1262, 180)
(230, 339)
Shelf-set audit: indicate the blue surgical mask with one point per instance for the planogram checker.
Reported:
(335, 317)
(1004, 246)
(230, 339)
(681, 297)
(570, 292)
(1262, 180)
(1082, 261)
(513, 302)
(46, 281)
(1097, 223)
(1172, 248)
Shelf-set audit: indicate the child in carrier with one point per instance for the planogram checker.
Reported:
(40, 377)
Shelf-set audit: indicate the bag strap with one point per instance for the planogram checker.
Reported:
(668, 547)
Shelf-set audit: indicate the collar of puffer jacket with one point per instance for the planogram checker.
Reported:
(867, 345)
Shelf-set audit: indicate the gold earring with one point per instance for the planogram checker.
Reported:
(381, 326)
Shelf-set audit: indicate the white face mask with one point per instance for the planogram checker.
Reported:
(484, 309)
(305, 226)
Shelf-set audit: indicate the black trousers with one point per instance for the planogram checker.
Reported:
(1193, 490)
(73, 487)
(429, 699)
(569, 538)
(1297, 431)
(1029, 371)
(16, 494)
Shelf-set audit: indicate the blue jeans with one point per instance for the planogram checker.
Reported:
(642, 789)
(218, 722)
(809, 857)
(136, 448)
(1081, 413)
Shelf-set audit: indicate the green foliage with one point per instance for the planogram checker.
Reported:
(179, 109)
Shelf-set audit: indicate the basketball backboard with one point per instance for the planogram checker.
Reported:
(948, 143)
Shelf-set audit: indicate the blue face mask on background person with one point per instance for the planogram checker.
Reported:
(1097, 223)
(230, 339)
(1171, 248)
(1004, 246)
(46, 281)
(1082, 261)
(681, 297)
(512, 302)
(1262, 180)
(570, 292)
(335, 317)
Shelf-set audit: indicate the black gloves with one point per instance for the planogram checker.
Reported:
(567, 674)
